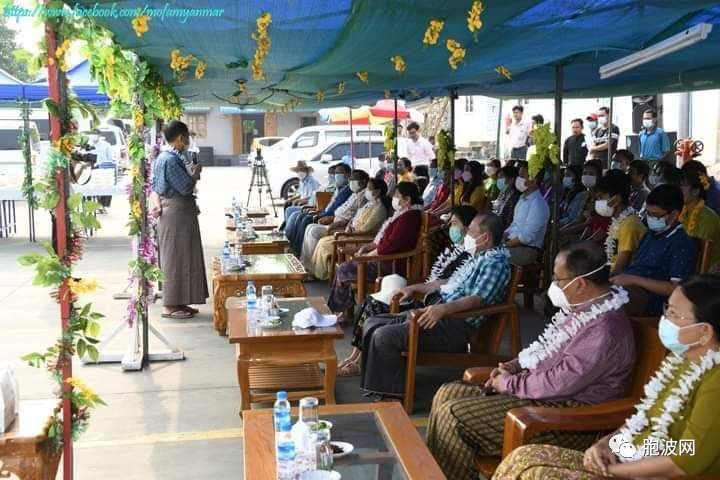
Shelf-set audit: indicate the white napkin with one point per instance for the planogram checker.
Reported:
(309, 317)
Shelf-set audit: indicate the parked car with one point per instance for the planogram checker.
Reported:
(12, 162)
(284, 183)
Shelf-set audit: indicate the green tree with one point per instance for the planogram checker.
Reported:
(8, 45)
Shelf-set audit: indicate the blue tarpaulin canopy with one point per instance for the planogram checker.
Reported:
(315, 44)
(81, 82)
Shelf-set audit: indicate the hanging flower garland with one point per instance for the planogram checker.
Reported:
(457, 53)
(639, 426)
(362, 76)
(546, 150)
(501, 70)
(320, 96)
(262, 41)
(446, 150)
(179, 64)
(200, 70)
(28, 190)
(399, 63)
(389, 140)
(432, 33)
(613, 231)
(141, 25)
(474, 22)
(690, 219)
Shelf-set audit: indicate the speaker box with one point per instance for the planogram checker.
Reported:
(640, 104)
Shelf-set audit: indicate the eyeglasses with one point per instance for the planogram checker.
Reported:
(669, 313)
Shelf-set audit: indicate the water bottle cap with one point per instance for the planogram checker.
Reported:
(282, 395)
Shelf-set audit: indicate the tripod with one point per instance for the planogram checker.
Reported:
(260, 180)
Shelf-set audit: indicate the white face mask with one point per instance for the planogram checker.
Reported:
(396, 203)
(302, 175)
(602, 121)
(470, 244)
(521, 184)
(589, 181)
(648, 123)
(557, 295)
(603, 209)
(369, 195)
(355, 186)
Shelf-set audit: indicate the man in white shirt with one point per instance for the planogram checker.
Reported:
(517, 131)
(193, 148)
(104, 160)
(419, 150)
(525, 236)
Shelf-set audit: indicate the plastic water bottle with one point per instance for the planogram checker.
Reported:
(304, 437)
(284, 446)
(226, 256)
(251, 295)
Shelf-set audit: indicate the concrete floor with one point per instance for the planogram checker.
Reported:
(175, 420)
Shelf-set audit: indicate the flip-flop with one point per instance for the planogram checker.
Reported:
(349, 370)
(178, 315)
(194, 311)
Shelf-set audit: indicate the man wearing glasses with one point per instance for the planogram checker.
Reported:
(665, 257)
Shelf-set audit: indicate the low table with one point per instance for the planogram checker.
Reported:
(265, 244)
(25, 449)
(387, 445)
(283, 272)
(283, 358)
(259, 224)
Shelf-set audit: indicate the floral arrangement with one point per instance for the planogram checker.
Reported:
(565, 325)
(613, 230)
(340, 88)
(262, 40)
(450, 254)
(690, 218)
(546, 149)
(179, 64)
(389, 140)
(501, 70)
(446, 150)
(200, 70)
(60, 54)
(474, 22)
(399, 63)
(28, 190)
(639, 426)
(320, 96)
(457, 53)
(362, 76)
(141, 25)
(433, 31)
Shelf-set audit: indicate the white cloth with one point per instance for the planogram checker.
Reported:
(419, 151)
(309, 317)
(518, 133)
(313, 234)
(9, 396)
(104, 152)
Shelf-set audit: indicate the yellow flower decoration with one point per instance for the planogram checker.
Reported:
(82, 286)
(457, 53)
(501, 70)
(705, 181)
(60, 53)
(138, 119)
(320, 96)
(341, 88)
(432, 34)
(690, 219)
(474, 22)
(134, 171)
(387, 93)
(200, 70)
(363, 76)
(399, 62)
(140, 25)
(81, 386)
(262, 41)
(65, 145)
(179, 64)
(136, 210)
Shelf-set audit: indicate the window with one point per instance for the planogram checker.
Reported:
(308, 121)
(198, 123)
(377, 149)
(339, 151)
(369, 133)
(306, 140)
(469, 106)
(336, 135)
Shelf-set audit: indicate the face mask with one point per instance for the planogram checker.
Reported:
(648, 123)
(355, 186)
(396, 203)
(592, 125)
(466, 176)
(340, 180)
(456, 235)
(557, 295)
(470, 244)
(568, 182)
(491, 171)
(501, 183)
(602, 121)
(302, 175)
(615, 165)
(458, 174)
(669, 334)
(521, 184)
(432, 172)
(589, 181)
(655, 180)
(369, 195)
(657, 225)
(603, 209)
(331, 179)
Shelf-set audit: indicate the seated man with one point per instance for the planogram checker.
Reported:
(639, 172)
(526, 234)
(295, 229)
(435, 180)
(333, 223)
(307, 187)
(481, 281)
(584, 356)
(625, 230)
(665, 257)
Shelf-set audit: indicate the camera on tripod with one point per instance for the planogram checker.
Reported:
(83, 154)
(258, 161)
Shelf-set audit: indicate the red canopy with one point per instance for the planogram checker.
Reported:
(386, 108)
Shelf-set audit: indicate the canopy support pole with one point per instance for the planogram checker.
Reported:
(559, 78)
(453, 95)
(395, 135)
(499, 128)
(352, 142)
(56, 85)
(610, 134)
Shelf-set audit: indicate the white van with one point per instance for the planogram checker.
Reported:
(12, 162)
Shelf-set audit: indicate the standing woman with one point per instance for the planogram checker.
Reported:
(180, 245)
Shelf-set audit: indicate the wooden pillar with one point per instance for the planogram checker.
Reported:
(56, 84)
(453, 96)
(559, 77)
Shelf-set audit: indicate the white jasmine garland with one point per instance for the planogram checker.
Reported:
(446, 258)
(565, 325)
(464, 272)
(613, 231)
(390, 220)
(673, 405)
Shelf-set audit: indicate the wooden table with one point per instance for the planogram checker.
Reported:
(259, 224)
(387, 445)
(265, 243)
(25, 449)
(283, 358)
(283, 272)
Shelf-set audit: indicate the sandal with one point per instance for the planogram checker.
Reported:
(188, 309)
(351, 369)
(179, 314)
